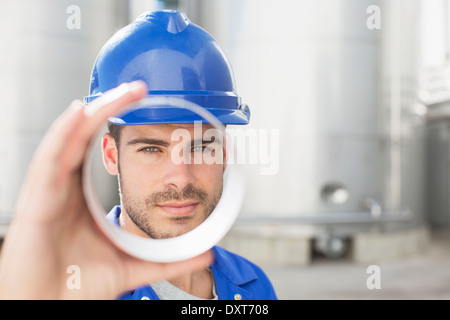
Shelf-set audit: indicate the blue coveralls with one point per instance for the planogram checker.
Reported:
(235, 277)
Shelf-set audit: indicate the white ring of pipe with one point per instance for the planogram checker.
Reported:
(194, 242)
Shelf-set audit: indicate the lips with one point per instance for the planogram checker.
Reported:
(179, 208)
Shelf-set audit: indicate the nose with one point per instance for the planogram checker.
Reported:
(178, 175)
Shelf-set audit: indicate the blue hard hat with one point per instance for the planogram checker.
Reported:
(175, 58)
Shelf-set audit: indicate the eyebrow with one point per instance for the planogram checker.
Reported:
(202, 142)
(164, 143)
(158, 142)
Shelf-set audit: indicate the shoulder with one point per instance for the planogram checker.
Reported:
(243, 273)
(234, 262)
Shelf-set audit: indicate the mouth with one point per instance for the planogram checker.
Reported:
(179, 208)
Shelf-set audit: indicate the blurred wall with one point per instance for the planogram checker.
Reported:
(313, 70)
(45, 62)
(343, 95)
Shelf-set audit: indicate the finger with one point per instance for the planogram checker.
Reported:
(62, 149)
(96, 115)
(59, 131)
(84, 121)
(143, 272)
(42, 166)
(66, 142)
(111, 103)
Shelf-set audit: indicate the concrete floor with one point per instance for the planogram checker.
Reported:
(422, 276)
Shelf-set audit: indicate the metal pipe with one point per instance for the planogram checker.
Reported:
(374, 207)
(438, 113)
(332, 218)
(447, 27)
(395, 44)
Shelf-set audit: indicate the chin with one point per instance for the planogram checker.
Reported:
(176, 233)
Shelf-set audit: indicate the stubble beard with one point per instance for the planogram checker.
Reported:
(139, 211)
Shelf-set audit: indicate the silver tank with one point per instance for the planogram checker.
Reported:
(342, 94)
(46, 60)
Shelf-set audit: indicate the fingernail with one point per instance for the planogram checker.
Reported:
(135, 85)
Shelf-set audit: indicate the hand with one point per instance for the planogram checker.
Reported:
(53, 229)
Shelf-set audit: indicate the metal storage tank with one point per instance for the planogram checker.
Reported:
(435, 94)
(342, 94)
(339, 96)
(48, 50)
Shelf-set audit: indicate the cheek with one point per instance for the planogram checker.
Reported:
(210, 177)
(136, 178)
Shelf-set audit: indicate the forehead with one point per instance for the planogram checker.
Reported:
(160, 130)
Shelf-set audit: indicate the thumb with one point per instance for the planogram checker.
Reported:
(141, 272)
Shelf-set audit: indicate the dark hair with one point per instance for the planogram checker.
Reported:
(114, 130)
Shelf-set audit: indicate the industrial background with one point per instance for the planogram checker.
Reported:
(358, 92)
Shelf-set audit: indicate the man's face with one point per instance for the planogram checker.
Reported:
(162, 198)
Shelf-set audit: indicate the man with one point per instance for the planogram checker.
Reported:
(52, 228)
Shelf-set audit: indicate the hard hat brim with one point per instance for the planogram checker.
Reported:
(228, 109)
(171, 115)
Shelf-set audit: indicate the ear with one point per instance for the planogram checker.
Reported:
(110, 154)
